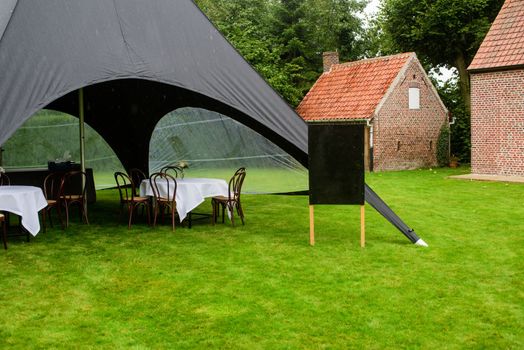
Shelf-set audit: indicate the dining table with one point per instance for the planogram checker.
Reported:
(24, 201)
(190, 193)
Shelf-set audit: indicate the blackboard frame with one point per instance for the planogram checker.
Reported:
(336, 163)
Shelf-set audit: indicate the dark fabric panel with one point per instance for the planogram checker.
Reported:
(336, 163)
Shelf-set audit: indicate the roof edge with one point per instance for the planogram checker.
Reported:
(394, 83)
(495, 69)
(367, 60)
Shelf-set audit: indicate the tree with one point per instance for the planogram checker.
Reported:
(442, 32)
(460, 132)
(284, 39)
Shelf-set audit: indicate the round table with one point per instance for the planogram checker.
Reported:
(24, 201)
(190, 193)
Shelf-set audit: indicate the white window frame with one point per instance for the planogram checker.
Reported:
(414, 98)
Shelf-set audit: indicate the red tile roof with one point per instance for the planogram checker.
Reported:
(503, 46)
(351, 90)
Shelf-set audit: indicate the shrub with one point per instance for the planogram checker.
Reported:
(443, 146)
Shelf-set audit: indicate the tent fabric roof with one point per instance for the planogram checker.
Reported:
(503, 46)
(352, 90)
(49, 49)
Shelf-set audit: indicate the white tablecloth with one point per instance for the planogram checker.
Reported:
(190, 193)
(25, 201)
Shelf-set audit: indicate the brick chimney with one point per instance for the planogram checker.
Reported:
(329, 58)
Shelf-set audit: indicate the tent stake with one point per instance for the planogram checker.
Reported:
(311, 225)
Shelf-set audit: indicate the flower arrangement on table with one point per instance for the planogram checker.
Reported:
(182, 164)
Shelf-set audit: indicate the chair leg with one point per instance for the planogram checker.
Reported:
(240, 212)
(67, 214)
(230, 209)
(44, 214)
(213, 214)
(130, 212)
(155, 214)
(173, 210)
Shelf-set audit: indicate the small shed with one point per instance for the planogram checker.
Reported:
(497, 96)
(394, 97)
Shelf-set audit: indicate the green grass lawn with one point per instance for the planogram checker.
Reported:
(261, 286)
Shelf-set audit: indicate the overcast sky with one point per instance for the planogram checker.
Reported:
(372, 7)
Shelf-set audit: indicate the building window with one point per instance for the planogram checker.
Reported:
(414, 98)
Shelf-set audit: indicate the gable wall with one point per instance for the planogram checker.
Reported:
(416, 131)
(497, 123)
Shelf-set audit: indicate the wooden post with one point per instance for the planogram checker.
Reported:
(311, 225)
(362, 226)
(366, 149)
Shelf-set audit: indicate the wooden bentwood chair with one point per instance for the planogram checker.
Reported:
(71, 192)
(127, 190)
(173, 170)
(232, 200)
(136, 175)
(52, 188)
(157, 181)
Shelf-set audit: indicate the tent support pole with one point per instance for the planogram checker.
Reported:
(82, 135)
(311, 225)
(362, 226)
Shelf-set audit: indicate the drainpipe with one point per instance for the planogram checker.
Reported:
(452, 118)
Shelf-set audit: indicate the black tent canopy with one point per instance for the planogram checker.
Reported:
(136, 60)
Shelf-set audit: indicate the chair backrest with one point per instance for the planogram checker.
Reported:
(4, 180)
(72, 184)
(52, 185)
(136, 175)
(163, 185)
(235, 184)
(125, 186)
(173, 170)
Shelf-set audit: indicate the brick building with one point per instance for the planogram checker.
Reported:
(497, 96)
(393, 96)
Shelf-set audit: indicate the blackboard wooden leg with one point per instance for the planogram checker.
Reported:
(311, 225)
(362, 226)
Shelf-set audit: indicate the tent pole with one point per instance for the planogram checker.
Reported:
(311, 225)
(82, 133)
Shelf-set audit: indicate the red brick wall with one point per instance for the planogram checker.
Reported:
(497, 123)
(404, 138)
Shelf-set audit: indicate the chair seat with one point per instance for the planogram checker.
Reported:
(223, 199)
(137, 199)
(2, 217)
(51, 202)
(72, 197)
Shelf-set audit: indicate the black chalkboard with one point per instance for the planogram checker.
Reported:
(336, 163)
